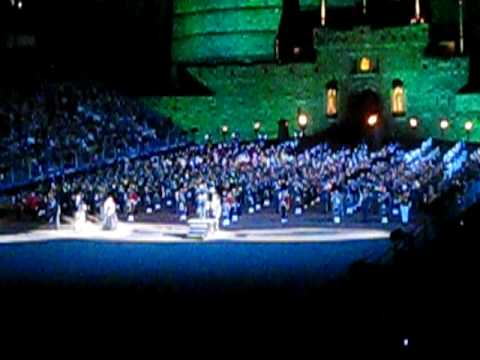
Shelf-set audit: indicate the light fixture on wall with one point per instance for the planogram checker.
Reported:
(372, 120)
(413, 123)
(257, 126)
(224, 132)
(302, 121)
(469, 126)
(444, 124)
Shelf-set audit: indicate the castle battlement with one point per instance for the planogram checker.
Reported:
(365, 36)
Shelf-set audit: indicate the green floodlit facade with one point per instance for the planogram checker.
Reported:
(227, 30)
(229, 47)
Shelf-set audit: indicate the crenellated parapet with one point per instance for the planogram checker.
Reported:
(456, 66)
(364, 36)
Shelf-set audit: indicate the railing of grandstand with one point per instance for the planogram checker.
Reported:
(17, 172)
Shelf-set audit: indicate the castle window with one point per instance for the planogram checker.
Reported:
(398, 98)
(331, 99)
(365, 65)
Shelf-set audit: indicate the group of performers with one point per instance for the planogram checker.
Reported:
(210, 206)
(227, 209)
(108, 216)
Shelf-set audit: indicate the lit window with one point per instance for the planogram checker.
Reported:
(365, 65)
(332, 99)
(398, 98)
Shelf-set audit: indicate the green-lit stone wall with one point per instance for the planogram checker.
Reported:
(271, 92)
(207, 31)
(312, 4)
(468, 109)
(431, 84)
(245, 94)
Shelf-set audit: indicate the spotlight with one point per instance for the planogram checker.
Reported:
(372, 120)
(468, 126)
(444, 124)
(413, 123)
(20, 5)
(302, 121)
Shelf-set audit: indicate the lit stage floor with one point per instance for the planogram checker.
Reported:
(297, 257)
(176, 233)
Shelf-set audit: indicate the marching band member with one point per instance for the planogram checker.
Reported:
(337, 206)
(405, 205)
(202, 198)
(285, 202)
(132, 202)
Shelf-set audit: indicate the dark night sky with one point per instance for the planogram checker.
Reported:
(110, 39)
(128, 41)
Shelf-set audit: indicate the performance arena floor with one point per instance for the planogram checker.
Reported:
(303, 254)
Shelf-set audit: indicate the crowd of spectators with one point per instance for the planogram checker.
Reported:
(249, 177)
(63, 125)
(60, 127)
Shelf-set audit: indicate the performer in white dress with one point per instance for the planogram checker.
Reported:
(109, 214)
(214, 208)
(81, 213)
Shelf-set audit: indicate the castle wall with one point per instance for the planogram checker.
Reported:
(208, 31)
(468, 109)
(244, 94)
